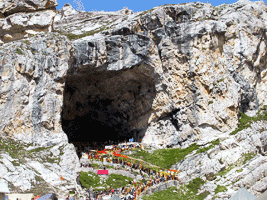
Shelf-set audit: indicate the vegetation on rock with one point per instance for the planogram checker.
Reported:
(220, 188)
(165, 158)
(185, 192)
(90, 179)
(245, 121)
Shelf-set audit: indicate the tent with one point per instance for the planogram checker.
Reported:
(243, 194)
(48, 197)
(263, 196)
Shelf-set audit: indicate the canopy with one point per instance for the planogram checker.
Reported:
(174, 170)
(4, 188)
(119, 155)
(243, 194)
(263, 196)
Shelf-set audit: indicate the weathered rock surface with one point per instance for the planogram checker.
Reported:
(241, 158)
(29, 169)
(8, 7)
(32, 82)
(170, 76)
(19, 18)
(68, 20)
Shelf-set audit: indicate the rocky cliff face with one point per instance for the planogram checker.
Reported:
(170, 76)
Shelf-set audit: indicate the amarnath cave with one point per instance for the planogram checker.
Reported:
(107, 105)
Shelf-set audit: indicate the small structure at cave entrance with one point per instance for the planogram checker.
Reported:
(243, 194)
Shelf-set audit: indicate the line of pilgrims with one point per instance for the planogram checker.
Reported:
(112, 155)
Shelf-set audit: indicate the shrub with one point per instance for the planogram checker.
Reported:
(220, 188)
(19, 51)
(195, 184)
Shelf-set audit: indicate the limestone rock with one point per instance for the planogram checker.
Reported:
(35, 86)
(240, 156)
(15, 6)
(36, 169)
(19, 23)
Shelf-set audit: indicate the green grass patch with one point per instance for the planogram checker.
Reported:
(220, 188)
(245, 121)
(120, 180)
(165, 158)
(37, 150)
(19, 51)
(26, 42)
(248, 156)
(39, 179)
(205, 149)
(195, 184)
(89, 179)
(15, 149)
(187, 192)
(241, 161)
(225, 171)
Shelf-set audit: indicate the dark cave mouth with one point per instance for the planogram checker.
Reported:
(108, 106)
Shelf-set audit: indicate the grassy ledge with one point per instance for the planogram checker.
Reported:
(114, 181)
(165, 158)
(245, 121)
(186, 192)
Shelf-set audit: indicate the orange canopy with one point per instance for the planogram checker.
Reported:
(119, 155)
(174, 170)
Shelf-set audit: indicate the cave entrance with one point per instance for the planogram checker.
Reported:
(101, 108)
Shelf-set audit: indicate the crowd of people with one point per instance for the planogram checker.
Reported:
(128, 193)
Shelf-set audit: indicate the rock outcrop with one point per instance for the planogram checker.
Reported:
(21, 19)
(238, 160)
(170, 76)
